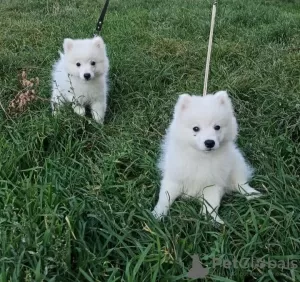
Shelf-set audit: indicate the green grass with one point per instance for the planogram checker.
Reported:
(75, 197)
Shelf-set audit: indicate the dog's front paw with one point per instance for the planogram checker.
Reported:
(98, 119)
(218, 221)
(254, 196)
(218, 224)
(157, 215)
(79, 110)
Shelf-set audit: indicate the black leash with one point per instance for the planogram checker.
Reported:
(101, 18)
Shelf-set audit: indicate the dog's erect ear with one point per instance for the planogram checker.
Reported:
(222, 97)
(224, 100)
(182, 102)
(68, 44)
(98, 41)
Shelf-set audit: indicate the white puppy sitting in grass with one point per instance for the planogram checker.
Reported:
(200, 158)
(80, 76)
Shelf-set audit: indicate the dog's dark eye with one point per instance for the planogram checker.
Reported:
(196, 128)
(217, 127)
(78, 64)
(93, 63)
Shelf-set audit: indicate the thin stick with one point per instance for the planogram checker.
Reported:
(212, 24)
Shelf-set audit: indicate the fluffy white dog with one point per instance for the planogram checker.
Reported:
(80, 76)
(200, 158)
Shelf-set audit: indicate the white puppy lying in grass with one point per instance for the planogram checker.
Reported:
(200, 158)
(80, 76)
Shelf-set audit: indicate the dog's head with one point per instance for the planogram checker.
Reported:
(85, 58)
(206, 123)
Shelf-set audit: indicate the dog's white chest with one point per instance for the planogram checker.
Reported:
(198, 174)
(85, 91)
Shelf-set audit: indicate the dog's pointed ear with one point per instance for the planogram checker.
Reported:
(182, 102)
(224, 100)
(222, 97)
(68, 44)
(98, 41)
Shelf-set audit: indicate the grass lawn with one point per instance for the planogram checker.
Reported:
(75, 197)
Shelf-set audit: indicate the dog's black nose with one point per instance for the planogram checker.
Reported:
(87, 76)
(209, 143)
